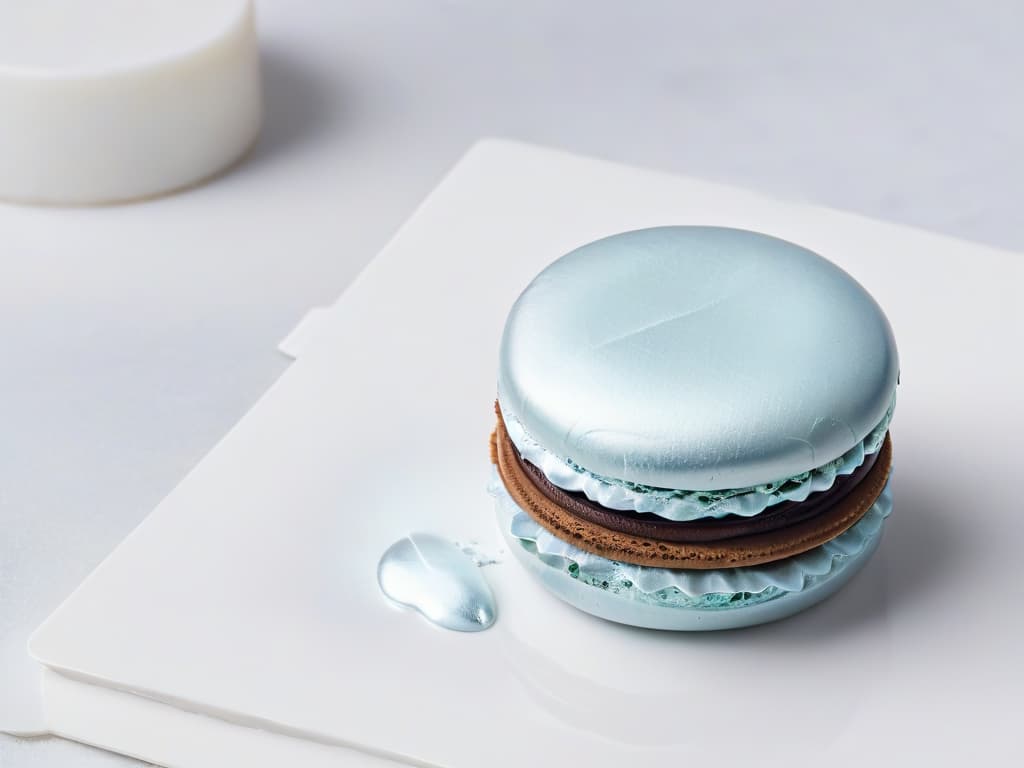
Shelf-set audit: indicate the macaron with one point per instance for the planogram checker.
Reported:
(693, 427)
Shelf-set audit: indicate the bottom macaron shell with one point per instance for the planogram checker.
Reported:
(744, 611)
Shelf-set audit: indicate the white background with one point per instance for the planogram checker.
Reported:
(134, 337)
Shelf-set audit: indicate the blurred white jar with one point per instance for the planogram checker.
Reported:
(113, 100)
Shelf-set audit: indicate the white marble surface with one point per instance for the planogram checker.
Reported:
(130, 347)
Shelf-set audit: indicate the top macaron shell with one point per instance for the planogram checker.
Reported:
(696, 358)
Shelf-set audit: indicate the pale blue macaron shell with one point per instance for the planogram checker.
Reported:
(696, 358)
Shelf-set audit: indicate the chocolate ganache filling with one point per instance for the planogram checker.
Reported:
(650, 526)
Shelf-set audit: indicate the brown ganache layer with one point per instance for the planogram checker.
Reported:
(650, 526)
(751, 548)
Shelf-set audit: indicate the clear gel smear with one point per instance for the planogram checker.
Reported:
(438, 579)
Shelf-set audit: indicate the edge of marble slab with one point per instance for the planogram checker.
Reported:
(165, 734)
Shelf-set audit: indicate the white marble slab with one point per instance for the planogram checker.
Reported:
(249, 594)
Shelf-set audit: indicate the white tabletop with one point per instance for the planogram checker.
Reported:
(136, 336)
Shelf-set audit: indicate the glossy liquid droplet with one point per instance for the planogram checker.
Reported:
(434, 576)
